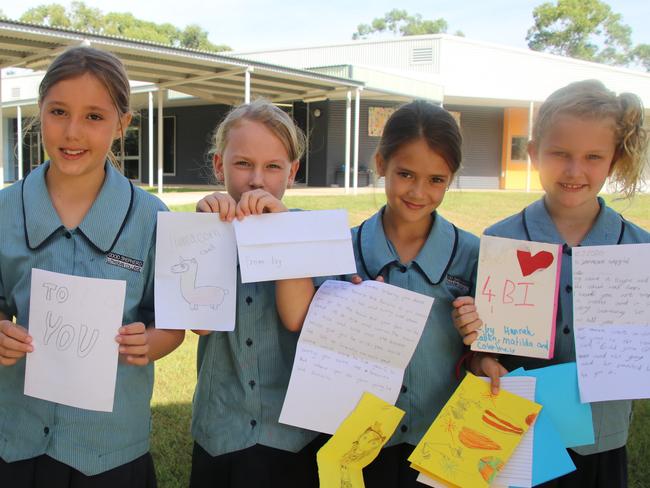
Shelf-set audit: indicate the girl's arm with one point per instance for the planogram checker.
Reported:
(140, 345)
(292, 298)
(467, 323)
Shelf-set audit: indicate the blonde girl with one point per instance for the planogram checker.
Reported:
(584, 135)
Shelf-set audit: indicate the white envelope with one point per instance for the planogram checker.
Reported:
(289, 245)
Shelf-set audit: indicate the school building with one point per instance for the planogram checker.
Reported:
(339, 94)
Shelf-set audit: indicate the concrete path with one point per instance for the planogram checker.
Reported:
(182, 198)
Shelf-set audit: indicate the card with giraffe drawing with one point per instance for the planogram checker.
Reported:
(474, 436)
(196, 272)
(516, 296)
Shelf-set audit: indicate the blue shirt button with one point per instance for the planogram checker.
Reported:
(46, 430)
(253, 423)
(249, 342)
(403, 428)
(67, 234)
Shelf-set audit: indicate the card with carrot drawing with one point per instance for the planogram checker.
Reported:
(474, 435)
(516, 296)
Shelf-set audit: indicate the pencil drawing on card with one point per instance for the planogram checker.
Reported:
(197, 296)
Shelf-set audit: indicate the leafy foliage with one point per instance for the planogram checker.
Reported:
(584, 29)
(400, 22)
(83, 18)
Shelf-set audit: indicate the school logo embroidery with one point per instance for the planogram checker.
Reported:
(461, 285)
(124, 262)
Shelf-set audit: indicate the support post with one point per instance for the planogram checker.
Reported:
(150, 133)
(531, 108)
(160, 142)
(355, 154)
(247, 86)
(348, 117)
(19, 137)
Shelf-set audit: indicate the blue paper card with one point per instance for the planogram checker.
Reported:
(557, 390)
(550, 458)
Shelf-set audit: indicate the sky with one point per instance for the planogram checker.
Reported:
(247, 25)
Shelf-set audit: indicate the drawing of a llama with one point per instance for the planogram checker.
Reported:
(206, 296)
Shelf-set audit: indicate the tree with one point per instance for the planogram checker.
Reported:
(641, 54)
(400, 22)
(583, 29)
(83, 18)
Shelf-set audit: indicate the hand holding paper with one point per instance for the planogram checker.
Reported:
(15, 342)
(516, 296)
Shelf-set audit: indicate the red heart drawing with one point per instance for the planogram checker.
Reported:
(529, 264)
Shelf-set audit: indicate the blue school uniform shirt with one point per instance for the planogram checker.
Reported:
(444, 269)
(243, 377)
(116, 240)
(611, 419)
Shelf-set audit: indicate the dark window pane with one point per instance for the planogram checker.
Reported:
(518, 148)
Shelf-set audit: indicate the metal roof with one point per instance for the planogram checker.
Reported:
(216, 78)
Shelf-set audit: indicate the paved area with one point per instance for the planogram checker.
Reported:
(186, 197)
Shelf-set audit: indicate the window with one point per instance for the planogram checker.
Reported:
(518, 148)
(131, 149)
(169, 146)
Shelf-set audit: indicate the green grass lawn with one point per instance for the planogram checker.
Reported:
(473, 211)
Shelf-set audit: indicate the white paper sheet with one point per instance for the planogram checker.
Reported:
(516, 296)
(288, 245)
(73, 322)
(611, 316)
(518, 471)
(355, 338)
(196, 272)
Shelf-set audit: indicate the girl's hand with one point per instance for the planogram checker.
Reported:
(220, 203)
(201, 332)
(488, 365)
(15, 342)
(134, 344)
(466, 319)
(256, 202)
(357, 280)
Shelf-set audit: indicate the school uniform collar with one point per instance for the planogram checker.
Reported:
(433, 260)
(102, 224)
(607, 229)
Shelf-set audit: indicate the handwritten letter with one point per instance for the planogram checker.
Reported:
(611, 305)
(355, 338)
(196, 272)
(516, 296)
(73, 322)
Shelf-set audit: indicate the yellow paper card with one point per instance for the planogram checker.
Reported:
(357, 442)
(474, 435)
